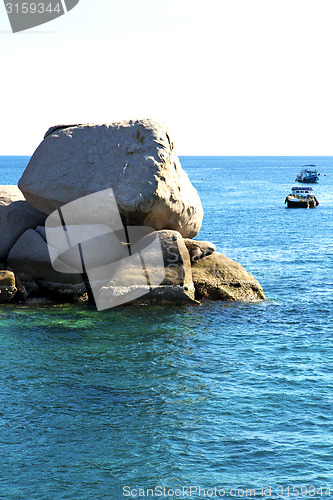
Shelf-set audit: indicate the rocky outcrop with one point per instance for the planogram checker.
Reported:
(30, 260)
(181, 274)
(136, 159)
(122, 217)
(7, 286)
(16, 216)
(221, 278)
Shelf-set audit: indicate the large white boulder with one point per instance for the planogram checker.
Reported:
(136, 159)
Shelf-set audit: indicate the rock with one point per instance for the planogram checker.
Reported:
(22, 293)
(29, 259)
(7, 286)
(51, 130)
(8, 194)
(41, 231)
(148, 275)
(218, 277)
(177, 285)
(16, 216)
(158, 274)
(176, 258)
(157, 270)
(199, 249)
(135, 158)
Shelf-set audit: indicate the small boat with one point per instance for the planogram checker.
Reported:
(301, 197)
(308, 174)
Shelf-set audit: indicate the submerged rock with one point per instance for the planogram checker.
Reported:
(221, 278)
(136, 159)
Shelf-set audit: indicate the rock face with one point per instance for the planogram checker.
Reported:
(16, 216)
(135, 158)
(218, 277)
(29, 259)
(7, 286)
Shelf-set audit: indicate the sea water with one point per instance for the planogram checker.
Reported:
(218, 400)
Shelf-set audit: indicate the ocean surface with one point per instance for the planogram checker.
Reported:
(173, 402)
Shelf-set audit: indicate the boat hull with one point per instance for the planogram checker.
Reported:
(297, 203)
(311, 180)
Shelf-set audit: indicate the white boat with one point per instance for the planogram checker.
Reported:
(301, 197)
(308, 174)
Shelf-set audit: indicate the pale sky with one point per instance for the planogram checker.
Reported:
(227, 77)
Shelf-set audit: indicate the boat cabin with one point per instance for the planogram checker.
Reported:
(304, 192)
(307, 171)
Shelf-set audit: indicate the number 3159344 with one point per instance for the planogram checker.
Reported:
(32, 8)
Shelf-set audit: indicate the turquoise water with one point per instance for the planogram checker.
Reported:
(232, 396)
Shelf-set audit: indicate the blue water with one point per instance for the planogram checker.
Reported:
(227, 395)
